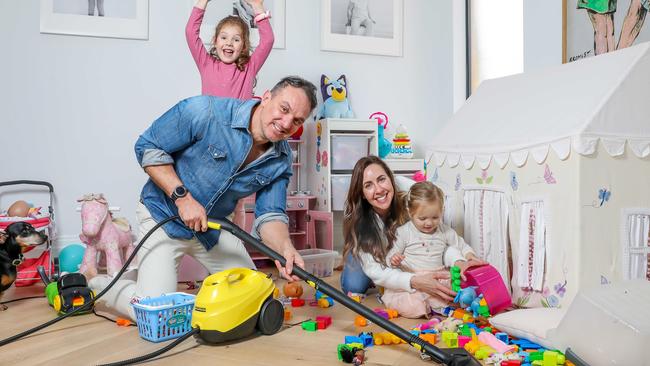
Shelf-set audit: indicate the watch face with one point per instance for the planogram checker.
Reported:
(180, 191)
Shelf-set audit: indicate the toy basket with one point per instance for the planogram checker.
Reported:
(319, 262)
(164, 317)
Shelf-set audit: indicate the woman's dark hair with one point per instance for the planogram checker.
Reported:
(236, 21)
(361, 231)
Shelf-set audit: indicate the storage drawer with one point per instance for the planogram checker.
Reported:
(340, 186)
(347, 150)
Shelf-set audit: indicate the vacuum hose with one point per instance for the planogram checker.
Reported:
(456, 359)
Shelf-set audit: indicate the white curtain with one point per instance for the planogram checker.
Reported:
(532, 246)
(486, 227)
(638, 250)
(448, 212)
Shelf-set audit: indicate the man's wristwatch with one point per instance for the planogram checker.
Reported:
(179, 192)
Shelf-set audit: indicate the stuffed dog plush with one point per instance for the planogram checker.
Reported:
(13, 242)
(335, 99)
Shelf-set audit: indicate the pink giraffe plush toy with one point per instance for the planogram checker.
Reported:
(100, 231)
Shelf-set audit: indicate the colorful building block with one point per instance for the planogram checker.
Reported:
(287, 315)
(309, 325)
(296, 303)
(366, 337)
(360, 321)
(327, 320)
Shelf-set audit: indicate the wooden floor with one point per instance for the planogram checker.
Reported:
(89, 340)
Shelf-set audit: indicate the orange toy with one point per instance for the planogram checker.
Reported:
(292, 289)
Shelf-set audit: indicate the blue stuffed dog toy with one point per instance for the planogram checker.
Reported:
(335, 100)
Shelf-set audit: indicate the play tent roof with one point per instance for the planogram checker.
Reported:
(573, 105)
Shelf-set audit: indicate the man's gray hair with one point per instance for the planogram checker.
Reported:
(300, 83)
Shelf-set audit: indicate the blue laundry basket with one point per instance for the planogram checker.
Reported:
(164, 317)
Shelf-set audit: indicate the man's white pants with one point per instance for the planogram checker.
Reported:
(158, 262)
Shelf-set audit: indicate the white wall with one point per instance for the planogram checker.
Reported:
(542, 34)
(72, 107)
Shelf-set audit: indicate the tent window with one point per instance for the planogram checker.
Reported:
(496, 39)
(636, 251)
(532, 246)
(486, 227)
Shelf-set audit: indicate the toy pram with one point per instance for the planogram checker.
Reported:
(41, 221)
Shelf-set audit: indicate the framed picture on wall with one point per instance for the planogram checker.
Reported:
(96, 18)
(362, 26)
(593, 27)
(217, 10)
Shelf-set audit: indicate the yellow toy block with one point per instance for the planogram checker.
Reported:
(276, 293)
(392, 313)
(484, 352)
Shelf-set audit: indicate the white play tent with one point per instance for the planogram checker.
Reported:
(547, 175)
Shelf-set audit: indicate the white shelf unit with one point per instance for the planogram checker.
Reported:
(333, 147)
(405, 167)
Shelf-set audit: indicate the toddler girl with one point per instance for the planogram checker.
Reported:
(228, 69)
(425, 244)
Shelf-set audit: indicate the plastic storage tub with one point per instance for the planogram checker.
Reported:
(347, 150)
(340, 186)
(319, 262)
(164, 317)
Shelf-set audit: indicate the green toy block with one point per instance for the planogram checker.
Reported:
(309, 325)
(454, 272)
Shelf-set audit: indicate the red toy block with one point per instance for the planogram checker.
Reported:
(327, 320)
(296, 303)
(511, 363)
(320, 324)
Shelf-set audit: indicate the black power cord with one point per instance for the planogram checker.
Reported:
(88, 305)
(156, 352)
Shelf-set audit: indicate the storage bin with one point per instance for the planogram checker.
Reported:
(319, 262)
(164, 317)
(347, 150)
(340, 186)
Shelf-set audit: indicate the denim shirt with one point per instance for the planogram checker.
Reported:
(206, 138)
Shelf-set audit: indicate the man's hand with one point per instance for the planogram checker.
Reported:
(293, 258)
(192, 213)
(396, 259)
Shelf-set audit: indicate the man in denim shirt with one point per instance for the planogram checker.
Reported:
(202, 156)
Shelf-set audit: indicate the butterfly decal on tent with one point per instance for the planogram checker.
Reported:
(513, 181)
(458, 182)
(434, 177)
(603, 196)
(560, 288)
(548, 175)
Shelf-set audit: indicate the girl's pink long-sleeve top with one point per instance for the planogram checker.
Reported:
(225, 80)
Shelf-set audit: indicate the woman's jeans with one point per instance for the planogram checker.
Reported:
(353, 279)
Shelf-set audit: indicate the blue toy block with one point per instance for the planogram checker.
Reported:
(366, 339)
(353, 339)
(503, 337)
(415, 332)
(430, 331)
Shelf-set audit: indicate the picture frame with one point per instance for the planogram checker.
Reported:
(578, 37)
(346, 26)
(114, 19)
(218, 10)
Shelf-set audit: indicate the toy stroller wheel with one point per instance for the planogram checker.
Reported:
(271, 317)
(55, 269)
(57, 303)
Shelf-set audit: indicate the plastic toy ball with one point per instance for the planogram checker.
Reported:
(70, 257)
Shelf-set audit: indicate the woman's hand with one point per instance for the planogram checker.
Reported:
(396, 259)
(465, 265)
(430, 283)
